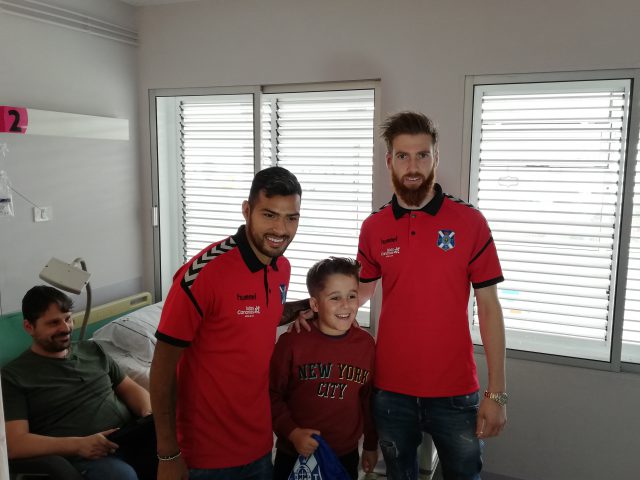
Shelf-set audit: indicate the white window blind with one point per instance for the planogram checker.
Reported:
(631, 331)
(547, 173)
(217, 167)
(326, 140)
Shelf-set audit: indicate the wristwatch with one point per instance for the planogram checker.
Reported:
(499, 397)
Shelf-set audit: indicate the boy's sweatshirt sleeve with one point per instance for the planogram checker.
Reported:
(280, 372)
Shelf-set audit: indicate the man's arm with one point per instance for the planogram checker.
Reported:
(366, 291)
(134, 397)
(292, 309)
(491, 416)
(164, 388)
(22, 444)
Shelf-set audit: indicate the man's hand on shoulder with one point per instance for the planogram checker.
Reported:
(96, 446)
(291, 312)
(303, 320)
(492, 419)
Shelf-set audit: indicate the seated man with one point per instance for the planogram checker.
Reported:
(66, 400)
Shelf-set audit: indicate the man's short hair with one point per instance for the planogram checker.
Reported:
(411, 123)
(274, 181)
(38, 300)
(318, 273)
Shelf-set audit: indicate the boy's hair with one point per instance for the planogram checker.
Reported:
(38, 300)
(318, 274)
(274, 181)
(412, 123)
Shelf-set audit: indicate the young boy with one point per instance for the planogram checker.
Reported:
(321, 380)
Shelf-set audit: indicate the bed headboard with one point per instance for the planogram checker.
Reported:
(14, 340)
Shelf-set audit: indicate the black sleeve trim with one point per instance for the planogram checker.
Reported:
(369, 280)
(187, 290)
(365, 257)
(176, 342)
(481, 250)
(488, 283)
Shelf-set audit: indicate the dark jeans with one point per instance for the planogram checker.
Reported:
(284, 463)
(57, 467)
(110, 466)
(261, 469)
(451, 421)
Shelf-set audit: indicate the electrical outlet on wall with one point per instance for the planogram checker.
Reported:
(42, 214)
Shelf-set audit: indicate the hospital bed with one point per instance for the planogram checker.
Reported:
(130, 341)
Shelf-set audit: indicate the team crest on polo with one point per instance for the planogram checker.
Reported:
(446, 239)
(283, 293)
(306, 469)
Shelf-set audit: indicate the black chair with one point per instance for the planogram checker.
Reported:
(52, 467)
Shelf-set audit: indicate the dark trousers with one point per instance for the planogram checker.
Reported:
(55, 466)
(283, 464)
(451, 422)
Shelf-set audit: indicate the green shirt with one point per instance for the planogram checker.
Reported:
(61, 397)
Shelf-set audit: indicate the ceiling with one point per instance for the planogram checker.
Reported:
(145, 3)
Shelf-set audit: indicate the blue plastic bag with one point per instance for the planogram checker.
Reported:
(323, 464)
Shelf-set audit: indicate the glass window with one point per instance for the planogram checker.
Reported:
(547, 170)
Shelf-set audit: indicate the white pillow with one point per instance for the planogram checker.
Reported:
(134, 332)
(134, 368)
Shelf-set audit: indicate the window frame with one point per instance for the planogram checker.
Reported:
(622, 245)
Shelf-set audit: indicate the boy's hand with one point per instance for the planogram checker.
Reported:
(302, 320)
(369, 460)
(302, 440)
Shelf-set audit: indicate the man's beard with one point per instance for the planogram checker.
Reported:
(413, 197)
(261, 243)
(55, 344)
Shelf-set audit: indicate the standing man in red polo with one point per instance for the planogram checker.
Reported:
(429, 248)
(210, 372)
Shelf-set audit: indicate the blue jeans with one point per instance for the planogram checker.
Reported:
(261, 469)
(105, 468)
(451, 421)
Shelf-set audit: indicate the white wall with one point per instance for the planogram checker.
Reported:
(92, 185)
(4, 455)
(565, 423)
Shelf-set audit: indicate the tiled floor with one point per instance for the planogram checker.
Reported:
(380, 473)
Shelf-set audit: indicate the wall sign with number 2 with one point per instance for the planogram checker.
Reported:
(13, 119)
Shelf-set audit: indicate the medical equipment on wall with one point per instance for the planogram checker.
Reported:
(6, 200)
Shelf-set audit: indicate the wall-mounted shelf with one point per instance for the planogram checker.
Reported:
(29, 121)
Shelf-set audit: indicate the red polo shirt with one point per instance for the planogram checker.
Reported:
(427, 260)
(224, 307)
